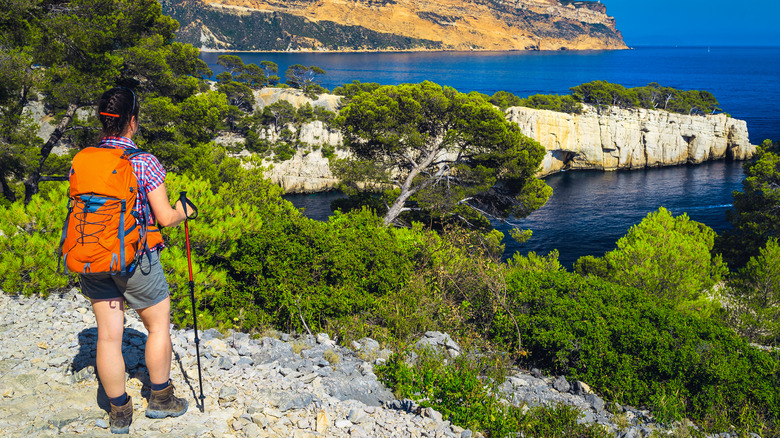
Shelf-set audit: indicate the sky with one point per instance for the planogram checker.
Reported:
(697, 22)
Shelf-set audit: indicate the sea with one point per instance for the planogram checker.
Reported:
(589, 210)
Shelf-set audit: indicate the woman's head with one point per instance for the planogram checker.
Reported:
(116, 109)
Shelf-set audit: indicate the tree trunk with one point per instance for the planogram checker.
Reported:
(31, 183)
(397, 207)
(406, 188)
(8, 192)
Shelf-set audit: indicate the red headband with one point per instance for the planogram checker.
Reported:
(109, 114)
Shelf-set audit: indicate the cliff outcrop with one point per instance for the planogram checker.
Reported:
(607, 139)
(395, 25)
(615, 138)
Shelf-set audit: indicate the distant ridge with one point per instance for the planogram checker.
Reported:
(370, 25)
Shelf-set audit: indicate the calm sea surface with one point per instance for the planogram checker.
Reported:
(745, 80)
(588, 211)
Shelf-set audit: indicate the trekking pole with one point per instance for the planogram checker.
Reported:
(185, 202)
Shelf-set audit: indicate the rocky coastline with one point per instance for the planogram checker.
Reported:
(605, 139)
(274, 385)
(335, 26)
(614, 138)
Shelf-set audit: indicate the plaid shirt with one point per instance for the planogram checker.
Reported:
(147, 169)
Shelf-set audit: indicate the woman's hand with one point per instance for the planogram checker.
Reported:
(166, 215)
(191, 212)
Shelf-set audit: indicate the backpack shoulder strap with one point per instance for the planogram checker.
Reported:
(143, 248)
(133, 152)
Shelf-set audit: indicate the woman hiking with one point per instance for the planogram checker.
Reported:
(142, 286)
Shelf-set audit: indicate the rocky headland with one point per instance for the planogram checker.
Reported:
(614, 138)
(368, 25)
(609, 138)
(274, 385)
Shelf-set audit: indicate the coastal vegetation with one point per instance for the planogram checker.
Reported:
(756, 213)
(458, 388)
(603, 94)
(663, 321)
(445, 156)
(132, 46)
(665, 256)
(305, 78)
(238, 80)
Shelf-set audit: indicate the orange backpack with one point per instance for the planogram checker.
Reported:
(102, 232)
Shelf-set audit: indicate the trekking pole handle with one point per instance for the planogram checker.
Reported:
(185, 202)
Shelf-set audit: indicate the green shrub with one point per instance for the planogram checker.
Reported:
(328, 151)
(652, 96)
(241, 207)
(324, 115)
(406, 313)
(536, 263)
(639, 350)
(283, 151)
(29, 238)
(256, 144)
(456, 388)
(304, 273)
(756, 213)
(356, 87)
(242, 204)
(504, 99)
(754, 308)
(304, 113)
(670, 257)
(553, 102)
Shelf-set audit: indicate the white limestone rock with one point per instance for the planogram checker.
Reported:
(268, 96)
(619, 138)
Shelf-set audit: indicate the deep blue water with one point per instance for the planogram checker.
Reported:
(589, 211)
(745, 80)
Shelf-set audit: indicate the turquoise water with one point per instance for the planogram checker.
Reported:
(589, 211)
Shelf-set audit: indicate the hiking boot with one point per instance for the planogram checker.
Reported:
(163, 404)
(121, 416)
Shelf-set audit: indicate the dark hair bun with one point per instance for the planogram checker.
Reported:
(115, 109)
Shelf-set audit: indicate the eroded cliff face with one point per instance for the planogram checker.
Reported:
(308, 171)
(616, 138)
(395, 24)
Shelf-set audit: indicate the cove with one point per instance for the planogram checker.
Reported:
(590, 210)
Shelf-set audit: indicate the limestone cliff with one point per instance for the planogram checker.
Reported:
(308, 170)
(395, 24)
(616, 138)
(609, 139)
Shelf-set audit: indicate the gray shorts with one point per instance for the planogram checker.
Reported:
(144, 287)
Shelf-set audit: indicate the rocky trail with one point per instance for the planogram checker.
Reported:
(276, 386)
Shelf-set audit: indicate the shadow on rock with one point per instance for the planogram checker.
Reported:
(188, 380)
(133, 347)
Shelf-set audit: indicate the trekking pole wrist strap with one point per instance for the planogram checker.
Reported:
(186, 203)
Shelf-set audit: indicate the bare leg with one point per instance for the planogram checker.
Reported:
(157, 320)
(110, 316)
